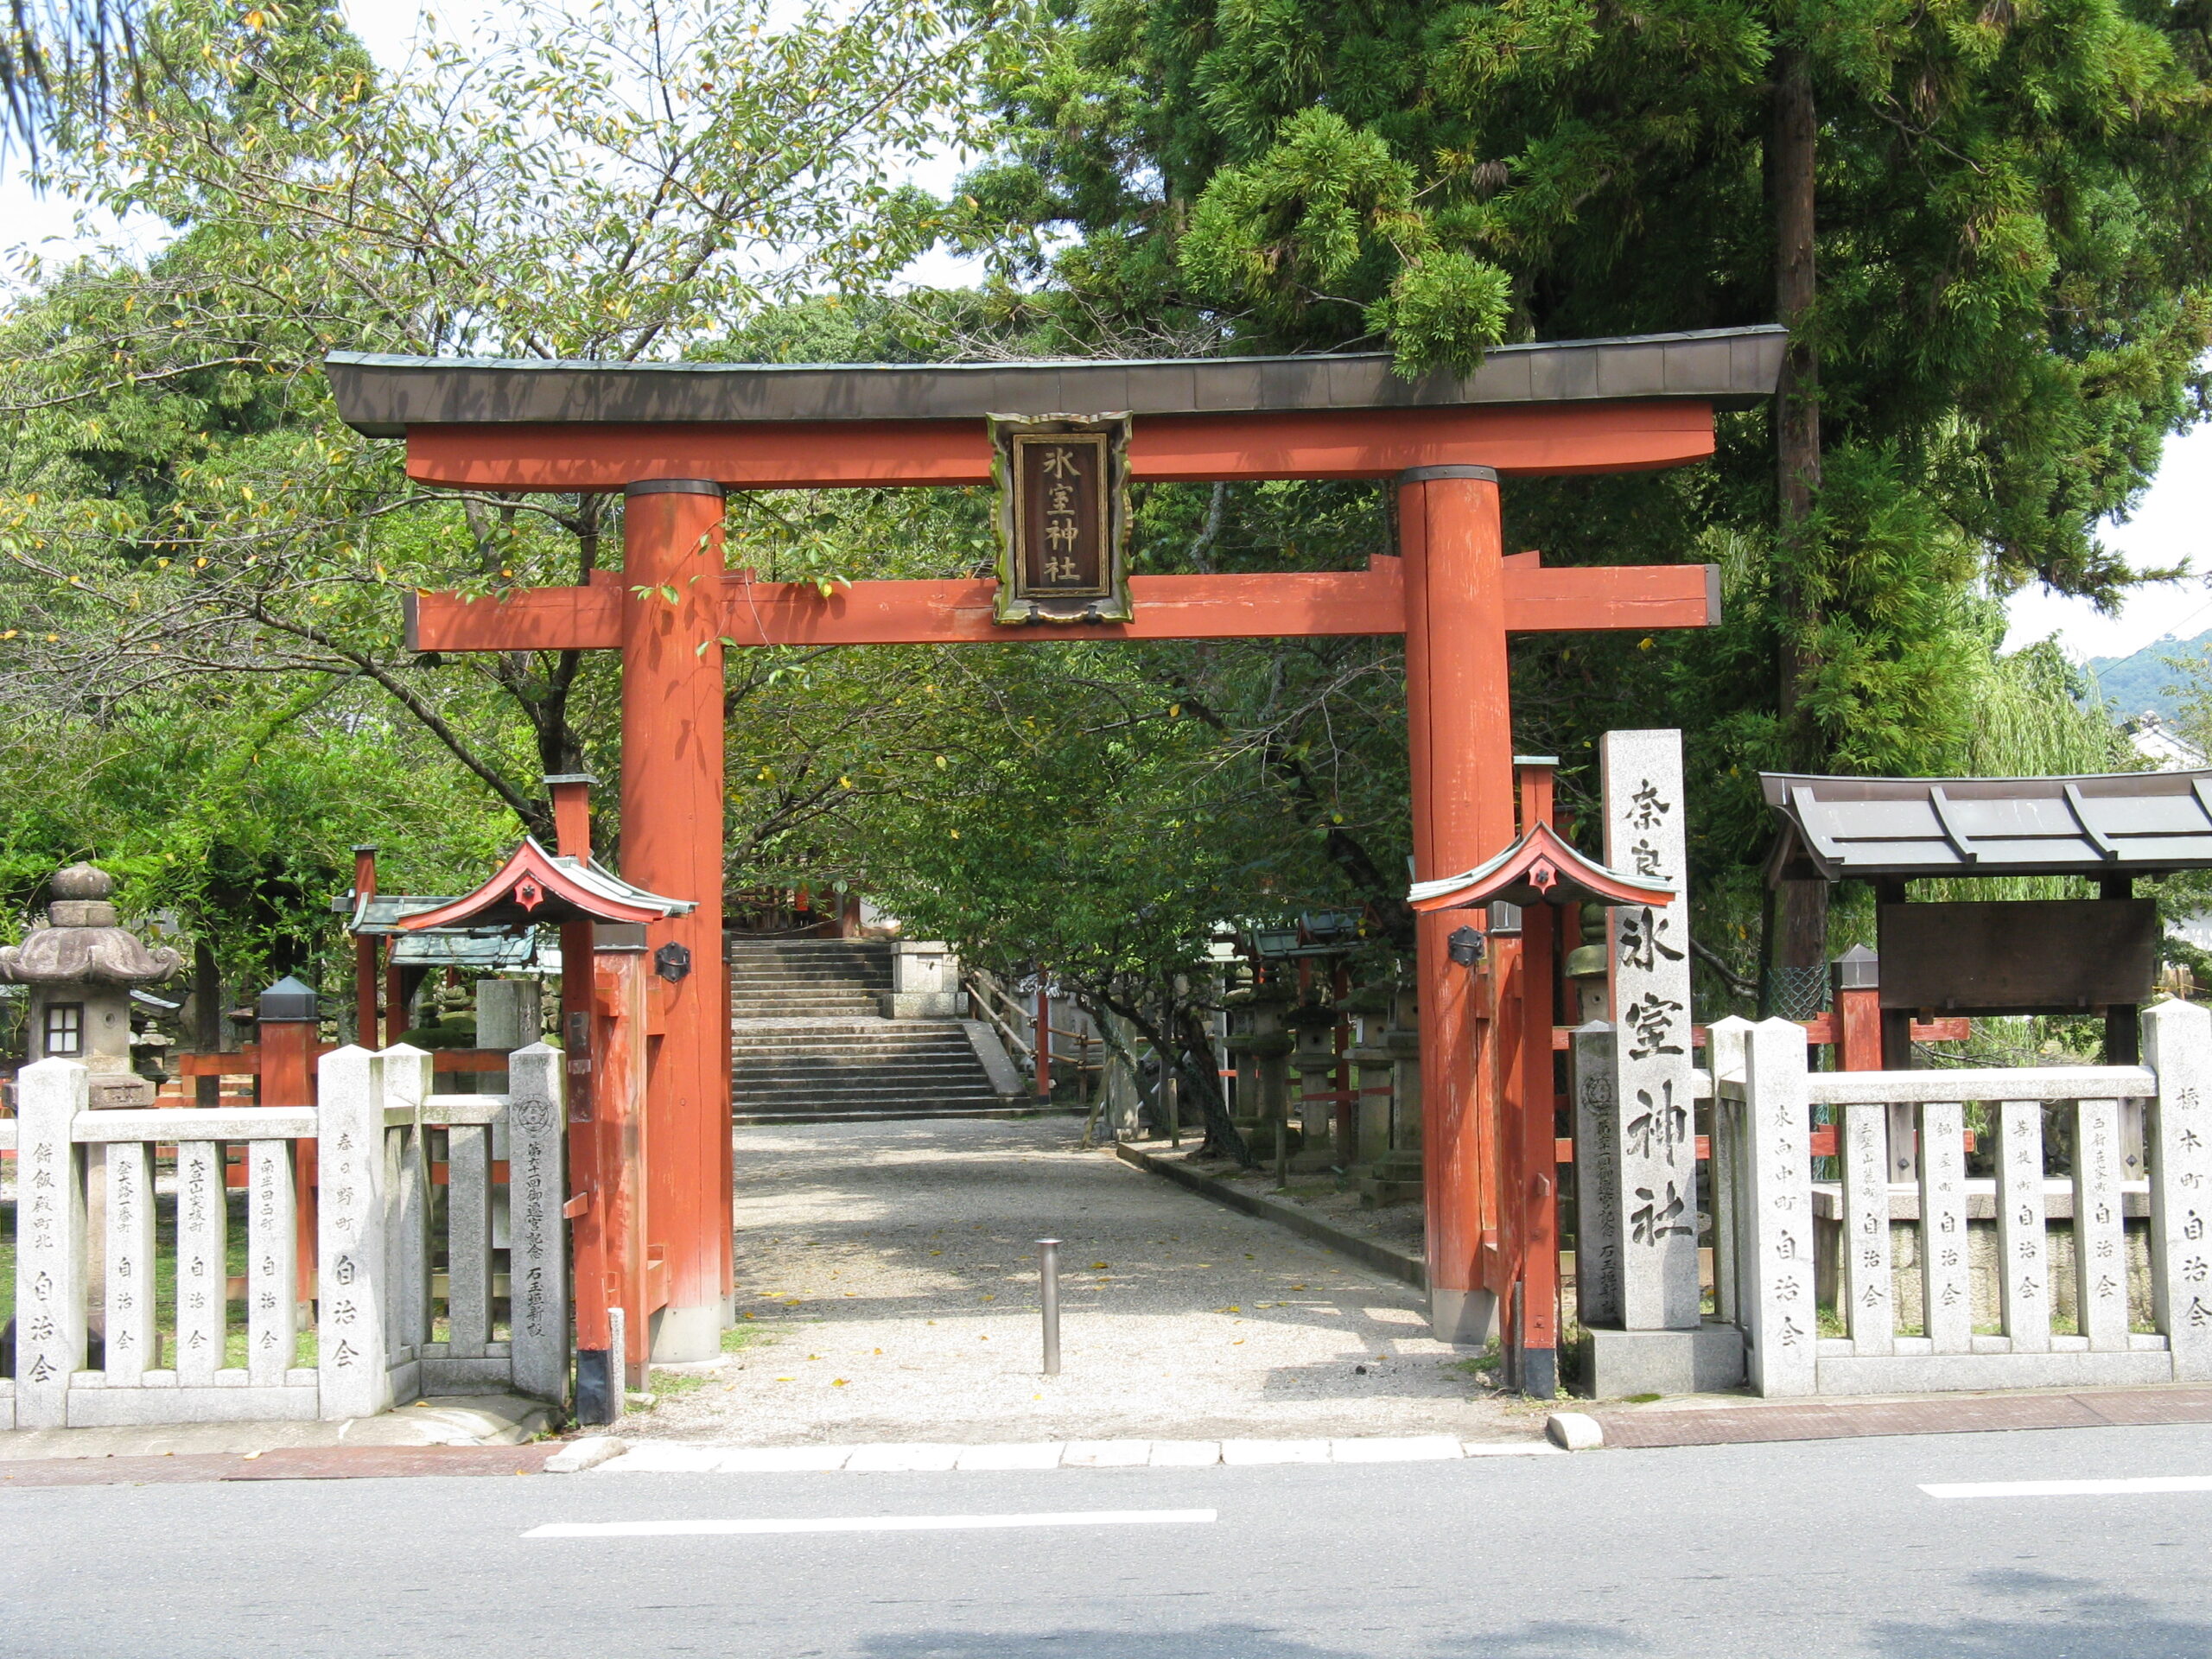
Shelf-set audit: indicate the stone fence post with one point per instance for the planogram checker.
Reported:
(1724, 1043)
(50, 1241)
(1780, 1320)
(537, 1260)
(2177, 1046)
(351, 1236)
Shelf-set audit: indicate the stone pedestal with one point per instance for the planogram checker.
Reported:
(1370, 1077)
(925, 981)
(1315, 1062)
(1261, 1051)
(509, 1012)
(1396, 1176)
(1699, 1360)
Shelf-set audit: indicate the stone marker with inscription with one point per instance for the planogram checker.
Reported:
(1657, 1174)
(2177, 1046)
(537, 1189)
(1636, 1278)
(50, 1268)
(350, 1236)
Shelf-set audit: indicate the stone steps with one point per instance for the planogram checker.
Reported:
(807, 1039)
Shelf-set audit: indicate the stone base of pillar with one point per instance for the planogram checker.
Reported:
(1394, 1177)
(1463, 1316)
(114, 1091)
(681, 1335)
(1664, 1362)
(920, 1005)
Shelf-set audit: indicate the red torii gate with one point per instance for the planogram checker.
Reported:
(676, 437)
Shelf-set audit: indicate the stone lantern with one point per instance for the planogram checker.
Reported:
(80, 967)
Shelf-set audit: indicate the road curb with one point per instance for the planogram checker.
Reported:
(685, 1458)
(285, 1463)
(1366, 1251)
(1759, 1422)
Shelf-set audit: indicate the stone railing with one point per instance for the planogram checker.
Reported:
(1949, 1281)
(90, 1234)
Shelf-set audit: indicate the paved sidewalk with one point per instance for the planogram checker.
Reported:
(449, 1421)
(890, 1273)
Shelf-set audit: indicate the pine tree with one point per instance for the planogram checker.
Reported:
(1979, 218)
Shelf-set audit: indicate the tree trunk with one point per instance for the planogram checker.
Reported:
(1182, 1035)
(1201, 1081)
(1796, 941)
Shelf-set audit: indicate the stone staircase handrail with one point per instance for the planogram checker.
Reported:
(985, 989)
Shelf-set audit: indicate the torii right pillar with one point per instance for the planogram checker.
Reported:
(1459, 736)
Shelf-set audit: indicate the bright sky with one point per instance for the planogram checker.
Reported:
(2169, 529)
(2173, 526)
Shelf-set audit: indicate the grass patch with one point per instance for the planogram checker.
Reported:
(670, 1383)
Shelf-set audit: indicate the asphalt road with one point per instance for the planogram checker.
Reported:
(1822, 1548)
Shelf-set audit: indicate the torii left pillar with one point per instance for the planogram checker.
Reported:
(672, 697)
(1459, 733)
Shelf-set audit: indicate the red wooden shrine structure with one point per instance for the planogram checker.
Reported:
(611, 991)
(676, 437)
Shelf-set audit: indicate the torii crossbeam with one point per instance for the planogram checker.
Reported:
(676, 437)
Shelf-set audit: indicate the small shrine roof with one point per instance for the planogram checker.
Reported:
(2100, 824)
(534, 887)
(499, 951)
(381, 395)
(1539, 868)
(381, 913)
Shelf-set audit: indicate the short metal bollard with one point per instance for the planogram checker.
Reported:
(1048, 1280)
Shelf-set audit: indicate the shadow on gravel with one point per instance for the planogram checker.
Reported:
(1548, 1640)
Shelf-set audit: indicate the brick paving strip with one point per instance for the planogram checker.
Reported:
(1831, 1420)
(285, 1463)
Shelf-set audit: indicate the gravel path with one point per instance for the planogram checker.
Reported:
(889, 1274)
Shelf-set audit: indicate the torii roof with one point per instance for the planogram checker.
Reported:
(2102, 824)
(381, 395)
(534, 887)
(1539, 868)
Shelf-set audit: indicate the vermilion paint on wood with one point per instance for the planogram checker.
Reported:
(1275, 605)
(1459, 733)
(672, 844)
(1526, 440)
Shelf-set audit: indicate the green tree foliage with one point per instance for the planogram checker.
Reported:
(2009, 307)
(188, 536)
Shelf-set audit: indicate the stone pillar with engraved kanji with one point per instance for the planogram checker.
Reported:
(1635, 1095)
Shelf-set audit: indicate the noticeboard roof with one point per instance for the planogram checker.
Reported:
(2101, 824)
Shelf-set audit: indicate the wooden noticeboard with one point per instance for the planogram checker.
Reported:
(2049, 955)
(1063, 517)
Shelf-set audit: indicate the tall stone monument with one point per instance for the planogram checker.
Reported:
(1635, 1105)
(80, 966)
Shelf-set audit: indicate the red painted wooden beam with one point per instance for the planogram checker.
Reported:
(1524, 440)
(1286, 605)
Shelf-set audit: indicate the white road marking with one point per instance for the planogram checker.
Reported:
(870, 1523)
(2069, 1488)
